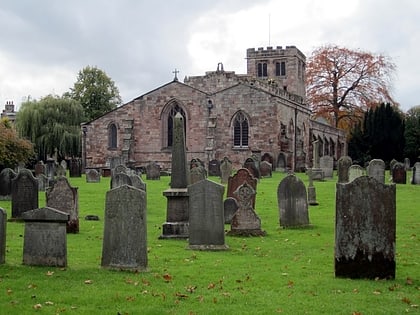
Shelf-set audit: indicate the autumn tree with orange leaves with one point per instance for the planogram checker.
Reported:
(342, 84)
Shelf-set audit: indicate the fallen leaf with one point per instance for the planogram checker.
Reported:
(211, 285)
(181, 295)
(49, 303)
(376, 292)
(406, 300)
(49, 273)
(145, 282)
(409, 281)
(355, 290)
(167, 277)
(32, 286)
(191, 288)
(9, 291)
(130, 298)
(290, 284)
(37, 306)
(88, 281)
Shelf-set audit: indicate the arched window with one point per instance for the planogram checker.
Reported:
(112, 136)
(262, 69)
(240, 130)
(170, 123)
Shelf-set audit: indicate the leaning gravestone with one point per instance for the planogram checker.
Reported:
(365, 229)
(230, 206)
(3, 222)
(92, 176)
(326, 163)
(225, 170)
(153, 171)
(125, 230)
(292, 202)
(343, 167)
(206, 221)
(45, 242)
(63, 197)
(376, 169)
(415, 180)
(399, 173)
(236, 180)
(355, 171)
(245, 222)
(24, 193)
(6, 177)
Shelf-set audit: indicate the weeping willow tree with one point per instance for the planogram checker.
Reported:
(52, 124)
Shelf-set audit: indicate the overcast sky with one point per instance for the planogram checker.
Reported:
(139, 43)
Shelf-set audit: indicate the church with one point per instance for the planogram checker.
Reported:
(262, 114)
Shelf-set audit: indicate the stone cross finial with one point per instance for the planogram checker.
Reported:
(176, 74)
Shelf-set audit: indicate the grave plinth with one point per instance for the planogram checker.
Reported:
(177, 213)
(45, 240)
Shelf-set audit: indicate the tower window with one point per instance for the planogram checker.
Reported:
(262, 69)
(240, 130)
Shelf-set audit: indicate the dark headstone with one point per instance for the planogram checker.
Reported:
(266, 169)
(251, 165)
(153, 171)
(376, 169)
(3, 223)
(63, 197)
(230, 206)
(45, 242)
(225, 170)
(214, 168)
(399, 173)
(24, 193)
(241, 176)
(391, 165)
(245, 221)
(92, 176)
(206, 220)
(6, 177)
(292, 202)
(125, 230)
(365, 229)
(40, 168)
(344, 164)
(75, 168)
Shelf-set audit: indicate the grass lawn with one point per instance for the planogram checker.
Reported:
(289, 271)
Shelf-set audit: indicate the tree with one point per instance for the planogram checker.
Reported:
(53, 125)
(380, 137)
(342, 83)
(96, 92)
(12, 148)
(412, 134)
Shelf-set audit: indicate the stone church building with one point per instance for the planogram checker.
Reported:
(261, 113)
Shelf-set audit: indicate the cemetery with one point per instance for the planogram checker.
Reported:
(171, 249)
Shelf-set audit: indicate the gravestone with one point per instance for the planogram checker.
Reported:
(311, 190)
(206, 220)
(214, 168)
(266, 169)
(225, 170)
(376, 169)
(6, 177)
(292, 202)
(343, 167)
(65, 198)
(137, 182)
(45, 242)
(365, 229)
(125, 229)
(230, 206)
(245, 222)
(242, 176)
(317, 172)
(119, 179)
(43, 182)
(197, 173)
(415, 180)
(50, 169)
(114, 161)
(40, 168)
(399, 173)
(355, 171)
(177, 210)
(121, 168)
(24, 193)
(92, 176)
(251, 165)
(63, 164)
(3, 223)
(75, 168)
(326, 163)
(152, 171)
(407, 164)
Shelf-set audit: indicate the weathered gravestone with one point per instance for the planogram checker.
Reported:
(177, 211)
(266, 169)
(50, 169)
(415, 180)
(137, 182)
(119, 179)
(206, 220)
(399, 173)
(376, 169)
(365, 229)
(251, 165)
(311, 190)
(63, 164)
(63, 197)
(391, 165)
(43, 182)
(245, 221)
(407, 164)
(225, 170)
(40, 168)
(230, 206)
(75, 168)
(6, 177)
(242, 176)
(326, 163)
(152, 171)
(45, 242)
(214, 168)
(292, 202)
(197, 171)
(24, 193)
(317, 172)
(121, 168)
(355, 171)
(3, 223)
(125, 230)
(93, 176)
(343, 167)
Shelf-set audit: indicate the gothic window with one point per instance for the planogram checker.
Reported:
(262, 69)
(240, 130)
(170, 122)
(280, 68)
(112, 136)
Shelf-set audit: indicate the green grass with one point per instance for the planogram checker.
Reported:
(289, 271)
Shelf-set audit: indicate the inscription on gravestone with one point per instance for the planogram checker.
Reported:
(92, 176)
(376, 169)
(242, 176)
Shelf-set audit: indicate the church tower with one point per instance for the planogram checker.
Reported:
(282, 66)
